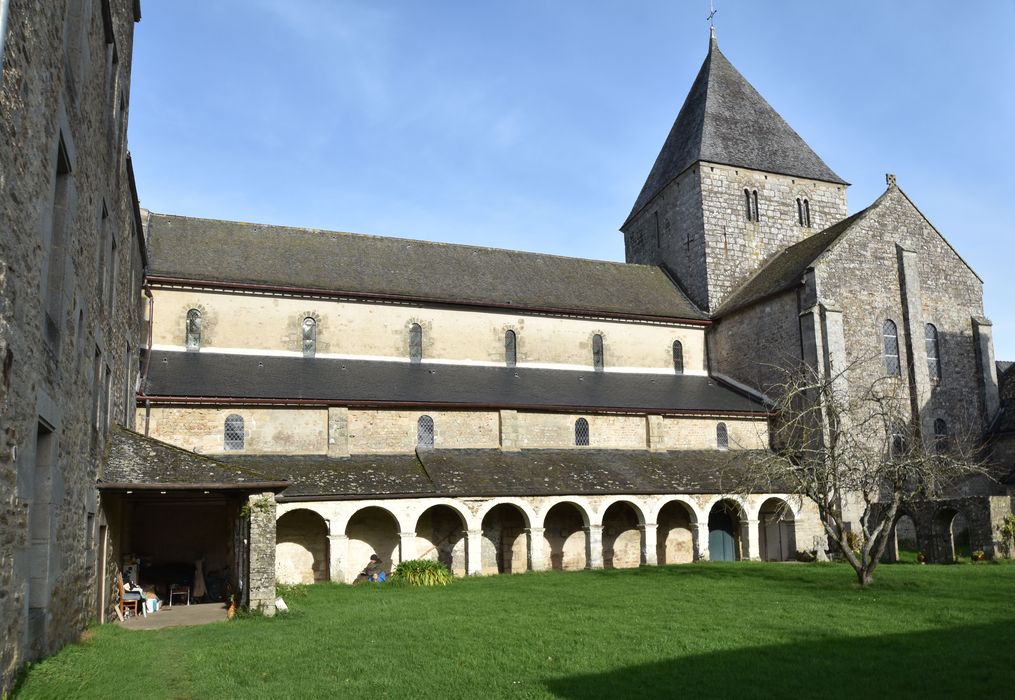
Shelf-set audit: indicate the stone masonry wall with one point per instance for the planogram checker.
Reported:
(736, 247)
(309, 431)
(758, 344)
(860, 274)
(668, 233)
(373, 330)
(698, 229)
(69, 308)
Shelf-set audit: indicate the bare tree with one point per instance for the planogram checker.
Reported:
(853, 446)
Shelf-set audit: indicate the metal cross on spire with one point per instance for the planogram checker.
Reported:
(711, 14)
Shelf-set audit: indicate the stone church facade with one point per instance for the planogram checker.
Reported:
(281, 403)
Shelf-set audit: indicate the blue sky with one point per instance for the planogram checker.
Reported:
(532, 125)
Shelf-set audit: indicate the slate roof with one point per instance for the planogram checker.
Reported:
(725, 120)
(231, 252)
(786, 269)
(357, 382)
(463, 473)
(138, 462)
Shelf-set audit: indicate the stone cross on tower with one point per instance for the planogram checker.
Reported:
(890, 179)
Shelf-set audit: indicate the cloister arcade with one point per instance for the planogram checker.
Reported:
(322, 540)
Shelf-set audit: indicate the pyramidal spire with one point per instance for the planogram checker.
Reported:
(724, 120)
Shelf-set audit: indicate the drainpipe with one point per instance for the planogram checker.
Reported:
(148, 355)
(4, 5)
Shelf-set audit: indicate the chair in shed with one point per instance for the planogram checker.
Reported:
(128, 599)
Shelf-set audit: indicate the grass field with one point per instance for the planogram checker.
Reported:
(713, 630)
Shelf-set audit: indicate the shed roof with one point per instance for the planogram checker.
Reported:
(463, 473)
(231, 252)
(137, 461)
(203, 375)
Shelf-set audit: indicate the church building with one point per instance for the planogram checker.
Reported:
(281, 403)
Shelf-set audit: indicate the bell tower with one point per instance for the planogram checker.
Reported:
(732, 185)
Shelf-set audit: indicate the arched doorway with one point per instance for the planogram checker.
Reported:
(505, 543)
(564, 532)
(621, 537)
(440, 536)
(676, 534)
(301, 548)
(951, 536)
(776, 531)
(371, 530)
(724, 531)
(907, 544)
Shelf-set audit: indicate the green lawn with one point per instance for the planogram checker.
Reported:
(714, 630)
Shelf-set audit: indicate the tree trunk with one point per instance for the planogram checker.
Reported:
(864, 576)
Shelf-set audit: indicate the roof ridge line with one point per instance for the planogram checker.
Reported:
(384, 237)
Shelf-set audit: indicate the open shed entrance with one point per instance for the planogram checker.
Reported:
(193, 541)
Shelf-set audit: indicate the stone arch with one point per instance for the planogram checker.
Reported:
(951, 535)
(622, 535)
(440, 536)
(301, 547)
(530, 516)
(727, 535)
(565, 526)
(373, 530)
(906, 536)
(776, 530)
(504, 545)
(677, 533)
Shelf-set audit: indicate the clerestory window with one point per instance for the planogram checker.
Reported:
(308, 330)
(424, 433)
(193, 329)
(233, 432)
(722, 437)
(581, 432)
(678, 357)
(510, 349)
(597, 353)
(415, 343)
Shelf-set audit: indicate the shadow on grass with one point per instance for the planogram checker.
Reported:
(965, 661)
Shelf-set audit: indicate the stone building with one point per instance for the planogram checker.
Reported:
(72, 257)
(304, 398)
(497, 410)
(752, 224)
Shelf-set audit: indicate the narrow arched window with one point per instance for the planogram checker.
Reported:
(678, 357)
(754, 205)
(933, 352)
(233, 432)
(747, 204)
(722, 437)
(415, 343)
(424, 433)
(193, 329)
(309, 331)
(940, 435)
(890, 335)
(581, 432)
(597, 353)
(803, 210)
(510, 349)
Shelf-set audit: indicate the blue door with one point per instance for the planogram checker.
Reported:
(721, 542)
